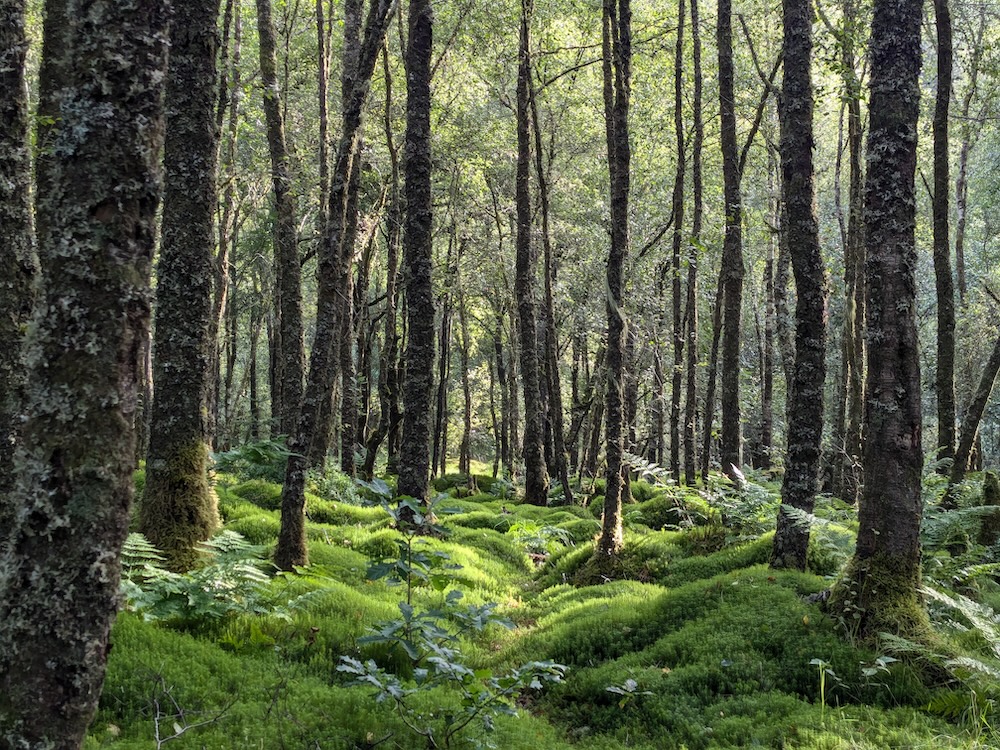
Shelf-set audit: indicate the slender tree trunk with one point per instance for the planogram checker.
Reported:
(414, 448)
(502, 378)
(945, 379)
(388, 384)
(691, 309)
(291, 547)
(969, 128)
(178, 507)
(290, 354)
(553, 384)
(439, 447)
(970, 425)
(465, 446)
(879, 589)
(536, 477)
(98, 185)
(731, 271)
(805, 408)
(617, 48)
(675, 262)
(713, 369)
(18, 266)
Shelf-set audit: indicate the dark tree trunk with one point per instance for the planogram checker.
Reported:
(502, 377)
(675, 262)
(879, 589)
(970, 126)
(731, 272)
(291, 547)
(970, 425)
(691, 308)
(290, 355)
(617, 49)
(805, 408)
(465, 446)
(388, 383)
(553, 384)
(18, 265)
(414, 449)
(713, 369)
(178, 507)
(944, 287)
(536, 477)
(101, 87)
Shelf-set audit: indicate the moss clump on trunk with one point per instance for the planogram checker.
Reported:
(179, 507)
(878, 595)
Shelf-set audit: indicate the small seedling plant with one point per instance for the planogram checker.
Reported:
(431, 641)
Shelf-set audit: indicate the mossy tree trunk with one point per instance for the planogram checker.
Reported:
(805, 408)
(879, 590)
(536, 476)
(17, 256)
(617, 49)
(178, 507)
(98, 181)
(414, 448)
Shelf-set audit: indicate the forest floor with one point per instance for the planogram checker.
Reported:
(699, 645)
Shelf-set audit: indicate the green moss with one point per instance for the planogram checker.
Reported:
(334, 513)
(260, 492)
(880, 595)
(179, 509)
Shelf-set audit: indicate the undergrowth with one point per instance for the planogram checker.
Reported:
(693, 643)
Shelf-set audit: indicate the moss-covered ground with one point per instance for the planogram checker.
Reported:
(696, 644)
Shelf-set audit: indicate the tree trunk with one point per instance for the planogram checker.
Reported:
(805, 408)
(536, 477)
(617, 49)
(388, 384)
(18, 265)
(675, 262)
(465, 446)
(944, 287)
(879, 589)
(414, 449)
(713, 369)
(179, 508)
(970, 425)
(691, 308)
(291, 547)
(97, 192)
(290, 355)
(553, 384)
(731, 271)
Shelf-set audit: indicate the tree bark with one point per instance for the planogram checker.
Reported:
(178, 507)
(675, 262)
(944, 380)
(290, 354)
(536, 477)
(691, 308)
(18, 265)
(103, 67)
(414, 449)
(617, 48)
(970, 425)
(805, 408)
(732, 271)
(291, 547)
(879, 589)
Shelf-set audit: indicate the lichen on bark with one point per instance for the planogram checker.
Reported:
(98, 189)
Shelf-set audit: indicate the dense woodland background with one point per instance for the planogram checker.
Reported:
(569, 244)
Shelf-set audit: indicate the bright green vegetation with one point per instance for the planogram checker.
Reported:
(698, 645)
